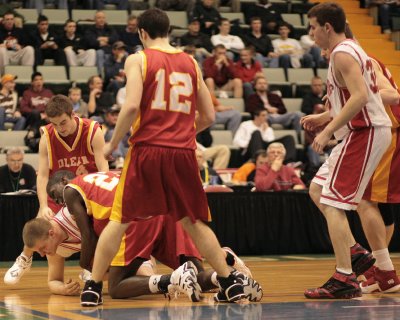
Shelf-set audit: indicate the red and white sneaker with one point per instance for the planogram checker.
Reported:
(339, 286)
(381, 281)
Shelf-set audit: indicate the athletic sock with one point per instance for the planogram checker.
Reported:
(344, 271)
(383, 260)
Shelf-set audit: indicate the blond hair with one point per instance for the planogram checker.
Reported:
(34, 230)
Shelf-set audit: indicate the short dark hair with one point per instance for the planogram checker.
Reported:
(222, 20)
(42, 18)
(219, 46)
(58, 105)
(255, 19)
(35, 74)
(329, 12)
(57, 177)
(155, 22)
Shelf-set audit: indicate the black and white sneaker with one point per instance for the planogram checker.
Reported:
(184, 280)
(231, 289)
(91, 294)
(251, 289)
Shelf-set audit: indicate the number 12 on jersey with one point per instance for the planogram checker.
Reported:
(179, 84)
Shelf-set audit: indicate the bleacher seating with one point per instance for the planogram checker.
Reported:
(54, 74)
(30, 15)
(13, 139)
(23, 72)
(81, 74)
(292, 104)
(56, 16)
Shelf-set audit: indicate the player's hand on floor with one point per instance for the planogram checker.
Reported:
(72, 288)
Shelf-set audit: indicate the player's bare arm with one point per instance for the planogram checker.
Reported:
(56, 278)
(389, 95)
(130, 109)
(313, 121)
(98, 146)
(77, 208)
(43, 178)
(205, 108)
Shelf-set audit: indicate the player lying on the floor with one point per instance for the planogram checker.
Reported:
(89, 198)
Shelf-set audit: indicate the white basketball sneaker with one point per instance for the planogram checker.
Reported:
(239, 263)
(184, 279)
(21, 265)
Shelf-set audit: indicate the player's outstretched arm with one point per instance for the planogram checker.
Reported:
(77, 209)
(389, 95)
(56, 278)
(97, 146)
(42, 179)
(205, 108)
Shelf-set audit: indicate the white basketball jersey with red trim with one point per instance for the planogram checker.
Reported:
(373, 114)
(73, 243)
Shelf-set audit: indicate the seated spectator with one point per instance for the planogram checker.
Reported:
(208, 16)
(226, 115)
(208, 175)
(274, 175)
(108, 127)
(247, 69)
(9, 112)
(246, 173)
(386, 9)
(39, 5)
(312, 101)
(46, 43)
(218, 155)
(80, 107)
(97, 100)
(311, 48)
(176, 5)
(16, 175)
(14, 48)
(75, 48)
(100, 37)
(99, 4)
(268, 12)
(220, 73)
(277, 113)
(233, 44)
(114, 68)
(289, 50)
(34, 101)
(256, 134)
(130, 36)
(262, 44)
(201, 41)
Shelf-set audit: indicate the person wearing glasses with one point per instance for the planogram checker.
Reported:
(16, 175)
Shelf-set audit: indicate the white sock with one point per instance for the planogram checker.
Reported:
(25, 257)
(153, 283)
(214, 279)
(344, 270)
(383, 260)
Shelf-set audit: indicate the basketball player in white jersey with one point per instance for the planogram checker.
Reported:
(358, 119)
(63, 240)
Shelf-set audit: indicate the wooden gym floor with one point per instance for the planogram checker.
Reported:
(283, 279)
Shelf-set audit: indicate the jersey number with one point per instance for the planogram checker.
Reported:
(371, 72)
(180, 84)
(100, 180)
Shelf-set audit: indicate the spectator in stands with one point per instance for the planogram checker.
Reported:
(114, 68)
(119, 154)
(9, 112)
(233, 4)
(386, 9)
(289, 50)
(39, 4)
(268, 12)
(233, 44)
(220, 73)
(208, 175)
(257, 134)
(14, 48)
(208, 16)
(312, 101)
(80, 107)
(247, 68)
(201, 41)
(75, 48)
(130, 35)
(176, 5)
(218, 155)
(274, 175)
(34, 101)
(100, 37)
(311, 48)
(247, 172)
(16, 175)
(97, 100)
(262, 44)
(45, 43)
(226, 115)
(99, 4)
(277, 113)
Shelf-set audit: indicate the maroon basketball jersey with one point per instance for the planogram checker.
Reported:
(167, 109)
(79, 157)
